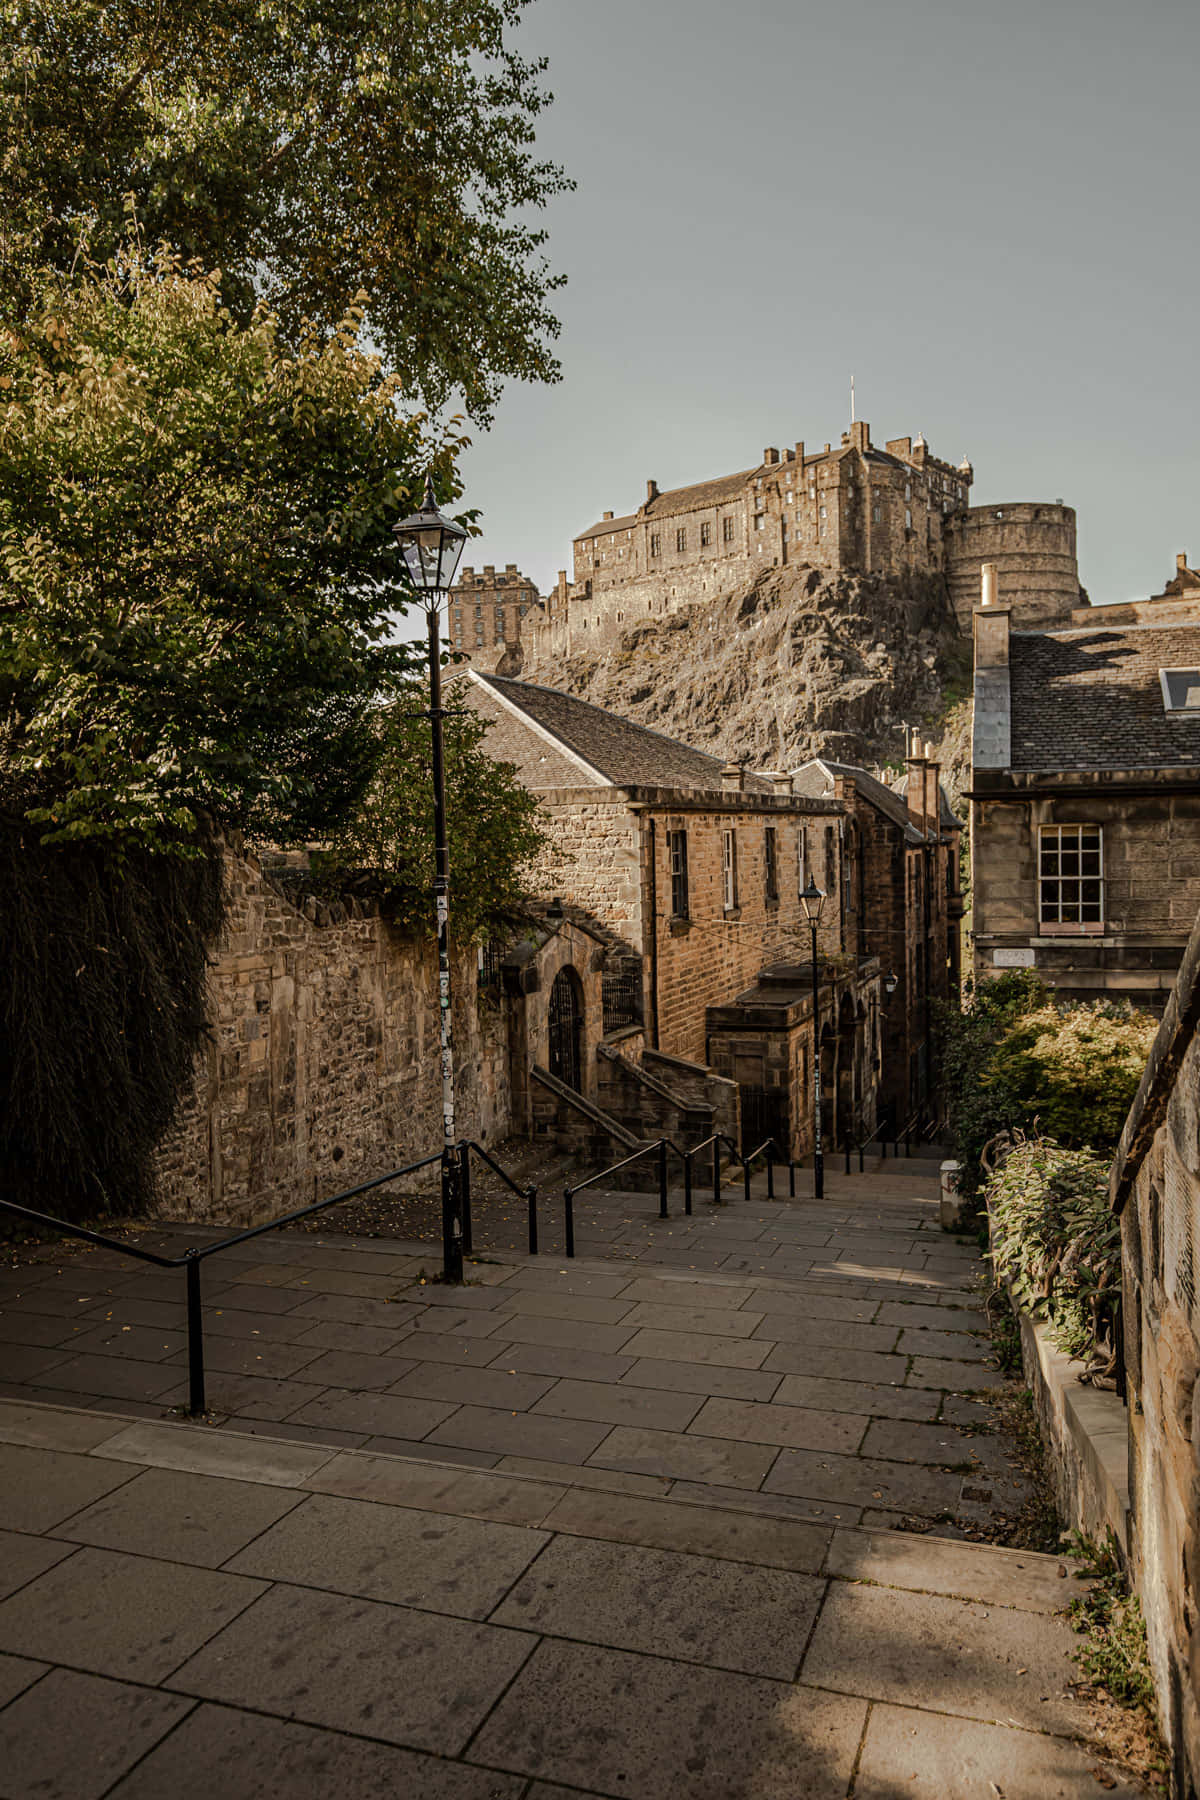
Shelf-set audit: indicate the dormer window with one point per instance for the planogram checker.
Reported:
(1181, 690)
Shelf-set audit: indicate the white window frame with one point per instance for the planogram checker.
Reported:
(1166, 692)
(1053, 920)
(729, 868)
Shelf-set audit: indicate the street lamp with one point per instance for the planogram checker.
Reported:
(431, 546)
(812, 900)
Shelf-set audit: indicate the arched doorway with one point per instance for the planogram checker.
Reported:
(566, 1028)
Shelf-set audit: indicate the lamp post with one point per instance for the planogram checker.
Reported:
(812, 900)
(431, 546)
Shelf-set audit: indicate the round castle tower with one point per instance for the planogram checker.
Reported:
(1032, 543)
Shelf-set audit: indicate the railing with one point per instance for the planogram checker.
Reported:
(457, 1159)
(664, 1148)
(852, 1145)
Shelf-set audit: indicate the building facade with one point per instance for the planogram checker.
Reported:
(899, 901)
(698, 867)
(1085, 803)
(486, 608)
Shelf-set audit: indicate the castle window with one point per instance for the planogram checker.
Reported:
(907, 519)
(771, 866)
(1070, 877)
(727, 531)
(705, 534)
(802, 857)
(655, 544)
(877, 514)
(677, 850)
(681, 539)
(729, 869)
(758, 521)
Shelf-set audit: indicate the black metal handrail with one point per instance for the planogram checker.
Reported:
(528, 1193)
(852, 1144)
(192, 1258)
(664, 1147)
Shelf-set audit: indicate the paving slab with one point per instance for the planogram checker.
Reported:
(685, 1454)
(504, 1388)
(126, 1616)
(178, 1517)
(778, 1301)
(23, 1559)
(207, 1452)
(549, 1277)
(696, 1608)
(440, 1562)
(802, 1427)
(360, 1666)
(924, 1757)
(620, 1405)
(697, 1347)
(378, 1415)
(838, 1365)
(357, 1340)
(590, 1309)
(682, 1291)
(449, 1453)
(566, 1440)
(797, 1328)
(920, 1315)
(616, 1481)
(958, 1346)
(984, 1572)
(437, 1487)
(873, 1398)
(941, 1445)
(712, 1320)
(864, 1481)
(444, 1347)
(702, 1529)
(49, 1428)
(27, 1328)
(116, 1378)
(16, 1674)
(952, 1656)
(40, 1488)
(527, 1328)
(71, 1736)
(958, 1377)
(762, 1504)
(350, 1369)
(220, 1751)
(708, 1378)
(644, 1727)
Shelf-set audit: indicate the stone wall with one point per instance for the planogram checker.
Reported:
(323, 1068)
(1156, 1190)
(1151, 891)
(1032, 544)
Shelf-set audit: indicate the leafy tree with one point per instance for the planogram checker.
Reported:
(492, 830)
(308, 150)
(195, 562)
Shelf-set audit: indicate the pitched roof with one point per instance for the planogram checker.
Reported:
(815, 778)
(605, 526)
(1092, 699)
(677, 500)
(626, 754)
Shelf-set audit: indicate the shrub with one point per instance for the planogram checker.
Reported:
(1057, 1243)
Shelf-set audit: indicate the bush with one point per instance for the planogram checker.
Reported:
(1014, 1060)
(1057, 1243)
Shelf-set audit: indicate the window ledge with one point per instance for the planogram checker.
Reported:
(679, 927)
(733, 912)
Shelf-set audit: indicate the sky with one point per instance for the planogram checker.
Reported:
(985, 213)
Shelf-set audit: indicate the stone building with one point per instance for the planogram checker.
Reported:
(697, 866)
(851, 506)
(486, 608)
(1031, 546)
(1085, 802)
(1155, 1189)
(900, 901)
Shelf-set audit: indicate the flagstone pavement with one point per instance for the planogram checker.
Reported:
(683, 1517)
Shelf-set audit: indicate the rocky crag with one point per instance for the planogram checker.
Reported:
(805, 662)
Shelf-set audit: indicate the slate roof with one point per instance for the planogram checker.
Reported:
(1092, 699)
(628, 755)
(605, 526)
(677, 500)
(816, 780)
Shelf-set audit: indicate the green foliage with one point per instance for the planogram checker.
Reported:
(1057, 1244)
(388, 846)
(102, 1009)
(1076, 1069)
(1115, 1656)
(195, 563)
(1015, 1061)
(307, 150)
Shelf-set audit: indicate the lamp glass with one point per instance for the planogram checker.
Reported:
(431, 545)
(812, 899)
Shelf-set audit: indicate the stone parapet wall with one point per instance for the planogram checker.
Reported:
(1155, 1187)
(323, 1069)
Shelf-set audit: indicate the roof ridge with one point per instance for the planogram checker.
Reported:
(607, 712)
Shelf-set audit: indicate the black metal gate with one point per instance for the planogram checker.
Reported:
(764, 1115)
(565, 1032)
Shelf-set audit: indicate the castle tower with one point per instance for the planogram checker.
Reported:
(1032, 544)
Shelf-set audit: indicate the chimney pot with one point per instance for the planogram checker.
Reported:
(989, 584)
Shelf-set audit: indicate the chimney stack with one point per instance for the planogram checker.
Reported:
(733, 778)
(770, 455)
(933, 807)
(914, 793)
(607, 515)
(651, 490)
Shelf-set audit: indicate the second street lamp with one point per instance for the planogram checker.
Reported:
(812, 899)
(431, 546)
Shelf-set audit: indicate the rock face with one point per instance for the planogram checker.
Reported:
(804, 662)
